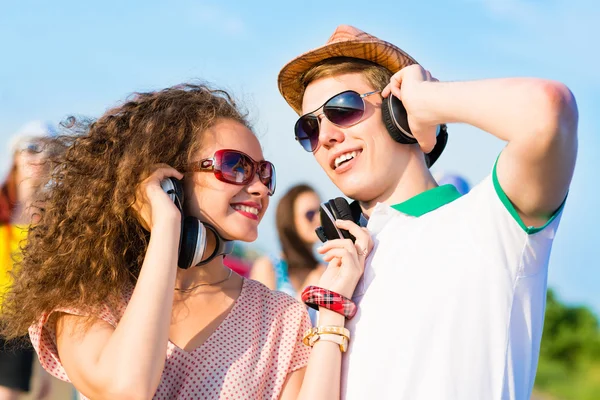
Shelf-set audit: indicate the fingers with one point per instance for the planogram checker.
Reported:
(337, 244)
(394, 85)
(363, 243)
(415, 72)
(163, 171)
(340, 253)
(149, 190)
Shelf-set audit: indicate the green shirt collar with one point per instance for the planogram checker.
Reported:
(428, 200)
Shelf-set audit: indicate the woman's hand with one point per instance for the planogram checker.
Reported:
(152, 204)
(346, 259)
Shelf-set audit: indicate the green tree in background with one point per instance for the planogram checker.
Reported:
(569, 365)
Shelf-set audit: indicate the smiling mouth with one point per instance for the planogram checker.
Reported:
(247, 211)
(344, 158)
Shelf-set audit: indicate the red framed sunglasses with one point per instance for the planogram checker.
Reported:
(237, 168)
(344, 109)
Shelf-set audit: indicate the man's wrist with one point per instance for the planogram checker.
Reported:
(430, 100)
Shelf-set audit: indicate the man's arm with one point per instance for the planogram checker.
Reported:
(538, 118)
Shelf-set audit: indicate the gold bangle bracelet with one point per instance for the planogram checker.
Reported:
(320, 330)
(341, 341)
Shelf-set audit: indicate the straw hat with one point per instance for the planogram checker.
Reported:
(346, 41)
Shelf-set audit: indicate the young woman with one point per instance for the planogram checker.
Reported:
(296, 219)
(99, 281)
(28, 173)
(99, 288)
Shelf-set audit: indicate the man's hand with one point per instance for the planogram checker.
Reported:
(406, 85)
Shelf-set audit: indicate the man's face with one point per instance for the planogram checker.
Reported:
(361, 160)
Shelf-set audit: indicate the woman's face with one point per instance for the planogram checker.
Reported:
(30, 158)
(235, 210)
(306, 216)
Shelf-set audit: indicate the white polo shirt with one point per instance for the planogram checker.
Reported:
(451, 305)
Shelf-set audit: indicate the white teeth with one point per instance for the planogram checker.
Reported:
(344, 157)
(251, 210)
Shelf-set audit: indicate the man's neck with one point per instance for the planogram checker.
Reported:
(415, 179)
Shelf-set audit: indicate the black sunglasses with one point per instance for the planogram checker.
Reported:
(344, 109)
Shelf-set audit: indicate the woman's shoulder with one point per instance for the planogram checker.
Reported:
(272, 299)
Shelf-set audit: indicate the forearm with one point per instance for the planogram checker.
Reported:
(135, 352)
(322, 377)
(512, 109)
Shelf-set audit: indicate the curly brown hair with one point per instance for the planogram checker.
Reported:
(89, 245)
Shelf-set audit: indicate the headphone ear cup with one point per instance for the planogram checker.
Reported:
(342, 211)
(440, 145)
(394, 113)
(192, 244)
(178, 187)
(328, 229)
(332, 208)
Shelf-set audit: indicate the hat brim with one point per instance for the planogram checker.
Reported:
(377, 51)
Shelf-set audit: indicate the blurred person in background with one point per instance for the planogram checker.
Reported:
(296, 218)
(296, 267)
(27, 177)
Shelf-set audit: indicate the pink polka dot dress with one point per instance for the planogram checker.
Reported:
(247, 357)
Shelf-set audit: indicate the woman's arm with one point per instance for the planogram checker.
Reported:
(322, 377)
(126, 362)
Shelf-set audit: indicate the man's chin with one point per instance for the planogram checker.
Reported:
(353, 187)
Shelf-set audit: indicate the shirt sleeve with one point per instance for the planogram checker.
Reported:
(301, 351)
(43, 338)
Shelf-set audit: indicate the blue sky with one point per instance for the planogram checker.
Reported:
(72, 57)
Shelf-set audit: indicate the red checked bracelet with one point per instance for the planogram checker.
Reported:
(315, 297)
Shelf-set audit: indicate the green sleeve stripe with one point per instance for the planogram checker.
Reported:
(511, 208)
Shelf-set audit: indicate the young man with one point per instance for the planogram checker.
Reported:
(451, 304)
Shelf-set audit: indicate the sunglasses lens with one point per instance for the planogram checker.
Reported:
(267, 176)
(345, 109)
(236, 167)
(310, 215)
(307, 132)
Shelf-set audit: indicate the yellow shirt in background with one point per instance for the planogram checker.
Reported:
(11, 241)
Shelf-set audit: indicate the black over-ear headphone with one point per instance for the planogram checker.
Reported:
(331, 210)
(396, 122)
(192, 242)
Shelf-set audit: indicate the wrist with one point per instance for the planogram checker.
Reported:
(430, 99)
(167, 224)
(321, 298)
(166, 219)
(346, 289)
(330, 318)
